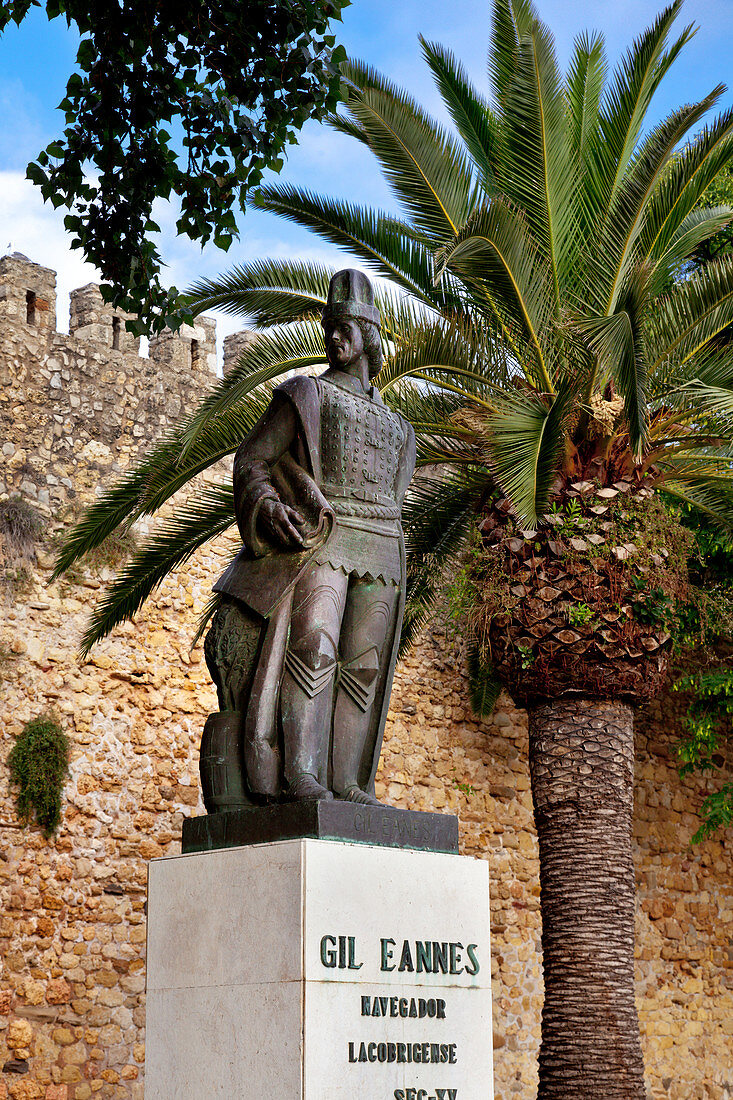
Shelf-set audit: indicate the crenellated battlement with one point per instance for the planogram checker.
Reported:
(78, 408)
(28, 303)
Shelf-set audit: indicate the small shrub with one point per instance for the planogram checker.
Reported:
(21, 526)
(39, 764)
(707, 729)
(580, 614)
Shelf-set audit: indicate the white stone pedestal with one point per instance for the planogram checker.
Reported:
(317, 970)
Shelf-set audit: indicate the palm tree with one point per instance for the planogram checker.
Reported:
(560, 375)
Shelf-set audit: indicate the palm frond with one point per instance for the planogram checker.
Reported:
(388, 245)
(712, 374)
(445, 353)
(436, 518)
(712, 460)
(688, 175)
(483, 684)
(347, 126)
(210, 608)
(524, 440)
(712, 365)
(117, 507)
(208, 515)
(275, 353)
(471, 113)
(697, 416)
(615, 250)
(503, 49)
(626, 102)
(266, 292)
(618, 344)
(538, 172)
(714, 501)
(428, 171)
(587, 75)
(689, 318)
(699, 226)
(494, 249)
(429, 409)
(155, 479)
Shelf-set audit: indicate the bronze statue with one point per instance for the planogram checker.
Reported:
(303, 648)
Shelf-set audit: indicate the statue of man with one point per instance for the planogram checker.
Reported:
(304, 646)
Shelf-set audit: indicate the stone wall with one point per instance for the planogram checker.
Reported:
(75, 409)
(72, 921)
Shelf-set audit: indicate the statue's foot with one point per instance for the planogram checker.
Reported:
(306, 786)
(356, 794)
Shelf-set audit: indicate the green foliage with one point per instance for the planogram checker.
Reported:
(719, 192)
(712, 565)
(716, 811)
(38, 764)
(581, 615)
(708, 727)
(651, 606)
(703, 632)
(188, 99)
(526, 656)
(465, 788)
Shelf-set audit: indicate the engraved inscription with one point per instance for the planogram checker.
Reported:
(388, 956)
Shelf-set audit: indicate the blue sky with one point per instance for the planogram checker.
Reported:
(36, 59)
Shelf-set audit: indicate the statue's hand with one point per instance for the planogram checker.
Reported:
(280, 523)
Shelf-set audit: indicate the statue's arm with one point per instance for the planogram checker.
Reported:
(262, 518)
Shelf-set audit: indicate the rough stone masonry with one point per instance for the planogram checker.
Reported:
(75, 411)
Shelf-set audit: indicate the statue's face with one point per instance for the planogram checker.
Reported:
(344, 344)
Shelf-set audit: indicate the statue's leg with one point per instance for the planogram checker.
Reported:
(306, 692)
(367, 622)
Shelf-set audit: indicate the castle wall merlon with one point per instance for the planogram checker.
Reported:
(27, 294)
(234, 346)
(192, 347)
(93, 319)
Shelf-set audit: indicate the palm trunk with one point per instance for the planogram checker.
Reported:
(581, 755)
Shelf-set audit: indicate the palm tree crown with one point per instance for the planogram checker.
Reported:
(537, 330)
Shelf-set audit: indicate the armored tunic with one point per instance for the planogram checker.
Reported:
(361, 443)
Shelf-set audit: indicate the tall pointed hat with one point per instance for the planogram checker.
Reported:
(350, 296)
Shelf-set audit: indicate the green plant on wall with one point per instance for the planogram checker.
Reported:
(39, 764)
(703, 631)
(701, 748)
